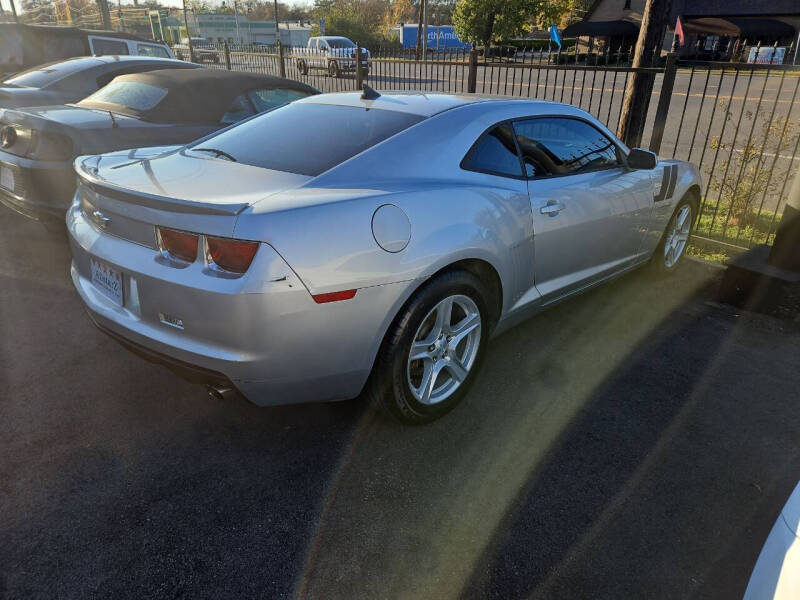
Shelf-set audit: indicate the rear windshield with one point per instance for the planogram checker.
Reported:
(134, 95)
(308, 139)
(45, 75)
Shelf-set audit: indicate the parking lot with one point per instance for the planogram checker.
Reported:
(637, 442)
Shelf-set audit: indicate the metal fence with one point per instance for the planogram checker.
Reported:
(739, 123)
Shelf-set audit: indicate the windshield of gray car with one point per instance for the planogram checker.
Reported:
(308, 139)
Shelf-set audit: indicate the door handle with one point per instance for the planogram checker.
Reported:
(552, 208)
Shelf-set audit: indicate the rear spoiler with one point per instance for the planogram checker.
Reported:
(88, 176)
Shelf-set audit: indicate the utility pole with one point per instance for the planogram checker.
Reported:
(236, 18)
(188, 33)
(420, 19)
(277, 29)
(104, 14)
(425, 31)
(640, 85)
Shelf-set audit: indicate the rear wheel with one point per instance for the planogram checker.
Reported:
(333, 69)
(302, 67)
(433, 350)
(672, 248)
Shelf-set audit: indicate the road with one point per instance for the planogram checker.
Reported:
(637, 442)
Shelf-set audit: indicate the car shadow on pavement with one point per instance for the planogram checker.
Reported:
(615, 446)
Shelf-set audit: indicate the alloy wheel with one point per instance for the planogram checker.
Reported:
(677, 236)
(444, 349)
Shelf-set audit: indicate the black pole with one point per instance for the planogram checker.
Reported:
(188, 33)
(14, 11)
(277, 29)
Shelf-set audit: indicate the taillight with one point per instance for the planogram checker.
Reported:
(178, 244)
(232, 255)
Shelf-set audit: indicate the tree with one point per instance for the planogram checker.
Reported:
(483, 21)
(38, 11)
(363, 21)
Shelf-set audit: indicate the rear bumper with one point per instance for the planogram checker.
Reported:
(42, 190)
(185, 370)
(263, 332)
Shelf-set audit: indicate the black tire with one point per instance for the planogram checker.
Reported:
(302, 67)
(659, 263)
(333, 69)
(389, 388)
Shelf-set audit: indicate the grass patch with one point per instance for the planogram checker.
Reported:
(758, 229)
(707, 254)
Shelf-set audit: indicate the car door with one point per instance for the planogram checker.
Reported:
(590, 211)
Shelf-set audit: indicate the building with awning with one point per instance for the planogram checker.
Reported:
(712, 28)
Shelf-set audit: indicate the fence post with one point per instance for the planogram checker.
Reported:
(227, 52)
(472, 77)
(281, 61)
(663, 103)
(359, 72)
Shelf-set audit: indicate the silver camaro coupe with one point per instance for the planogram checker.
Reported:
(347, 244)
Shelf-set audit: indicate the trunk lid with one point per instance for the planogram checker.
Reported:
(173, 187)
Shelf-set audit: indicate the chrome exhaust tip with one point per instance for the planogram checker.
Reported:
(220, 392)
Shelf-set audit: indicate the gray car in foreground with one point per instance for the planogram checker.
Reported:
(346, 244)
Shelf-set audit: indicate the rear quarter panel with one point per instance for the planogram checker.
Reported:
(332, 246)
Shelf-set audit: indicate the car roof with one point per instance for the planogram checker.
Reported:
(69, 67)
(424, 104)
(201, 95)
(85, 62)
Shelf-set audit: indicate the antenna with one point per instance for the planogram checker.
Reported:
(369, 93)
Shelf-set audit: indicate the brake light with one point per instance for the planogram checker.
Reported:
(178, 244)
(334, 296)
(232, 255)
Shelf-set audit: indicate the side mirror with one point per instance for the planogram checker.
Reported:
(642, 159)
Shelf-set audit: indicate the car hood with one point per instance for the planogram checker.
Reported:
(175, 178)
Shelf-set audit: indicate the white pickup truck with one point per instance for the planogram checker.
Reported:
(330, 53)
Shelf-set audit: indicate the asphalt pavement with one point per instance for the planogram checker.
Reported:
(636, 442)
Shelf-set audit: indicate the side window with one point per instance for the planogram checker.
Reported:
(562, 146)
(151, 50)
(103, 46)
(495, 152)
(240, 109)
(269, 99)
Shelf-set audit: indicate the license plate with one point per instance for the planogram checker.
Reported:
(107, 280)
(7, 178)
